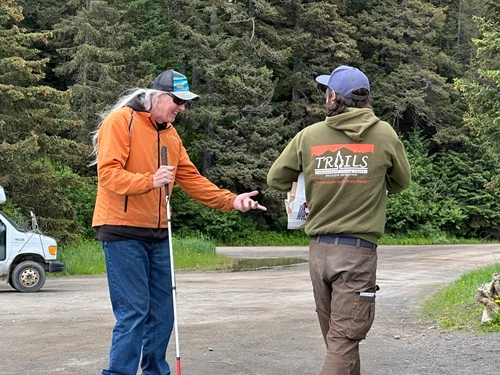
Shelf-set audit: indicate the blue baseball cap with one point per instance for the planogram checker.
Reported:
(174, 83)
(344, 80)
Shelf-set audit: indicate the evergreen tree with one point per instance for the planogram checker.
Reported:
(481, 89)
(309, 38)
(232, 128)
(253, 62)
(465, 176)
(455, 38)
(425, 208)
(42, 15)
(398, 42)
(35, 121)
(93, 44)
(152, 47)
(318, 37)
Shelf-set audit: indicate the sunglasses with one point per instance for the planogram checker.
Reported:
(176, 100)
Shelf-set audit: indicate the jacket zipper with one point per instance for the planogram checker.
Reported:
(129, 134)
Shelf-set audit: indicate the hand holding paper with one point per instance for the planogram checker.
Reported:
(296, 204)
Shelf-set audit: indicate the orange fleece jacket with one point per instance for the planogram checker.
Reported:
(129, 154)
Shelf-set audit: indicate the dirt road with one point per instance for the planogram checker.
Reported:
(254, 322)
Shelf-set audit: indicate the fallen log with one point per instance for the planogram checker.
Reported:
(489, 295)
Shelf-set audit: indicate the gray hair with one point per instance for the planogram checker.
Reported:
(145, 97)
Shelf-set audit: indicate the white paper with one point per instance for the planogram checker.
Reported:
(296, 204)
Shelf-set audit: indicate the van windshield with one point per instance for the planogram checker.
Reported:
(5, 218)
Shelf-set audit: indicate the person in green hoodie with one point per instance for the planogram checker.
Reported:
(350, 162)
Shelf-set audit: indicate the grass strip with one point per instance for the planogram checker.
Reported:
(455, 305)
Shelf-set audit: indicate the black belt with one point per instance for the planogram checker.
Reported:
(344, 240)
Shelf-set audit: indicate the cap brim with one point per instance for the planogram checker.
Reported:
(185, 95)
(323, 79)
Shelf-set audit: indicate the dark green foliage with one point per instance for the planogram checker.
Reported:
(433, 67)
(318, 39)
(425, 208)
(152, 48)
(406, 66)
(191, 218)
(233, 123)
(35, 124)
(38, 189)
(449, 193)
(92, 44)
(80, 194)
(44, 14)
(481, 88)
(465, 176)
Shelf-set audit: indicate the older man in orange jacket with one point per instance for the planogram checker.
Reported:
(130, 216)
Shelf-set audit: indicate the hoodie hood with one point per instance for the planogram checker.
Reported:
(137, 103)
(354, 123)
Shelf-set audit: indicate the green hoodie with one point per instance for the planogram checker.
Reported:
(350, 161)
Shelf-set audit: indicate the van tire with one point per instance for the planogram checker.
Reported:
(28, 277)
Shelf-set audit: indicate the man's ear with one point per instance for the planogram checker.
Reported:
(332, 96)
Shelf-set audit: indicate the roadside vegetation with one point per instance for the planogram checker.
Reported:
(455, 305)
(85, 257)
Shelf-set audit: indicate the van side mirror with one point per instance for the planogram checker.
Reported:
(2, 195)
(34, 224)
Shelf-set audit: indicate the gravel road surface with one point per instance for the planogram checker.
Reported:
(259, 322)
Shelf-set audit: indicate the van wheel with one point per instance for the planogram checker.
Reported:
(28, 277)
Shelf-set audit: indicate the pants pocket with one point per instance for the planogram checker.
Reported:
(363, 314)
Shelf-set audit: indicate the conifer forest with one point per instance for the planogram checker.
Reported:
(434, 69)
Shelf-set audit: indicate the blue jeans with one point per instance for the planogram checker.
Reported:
(140, 289)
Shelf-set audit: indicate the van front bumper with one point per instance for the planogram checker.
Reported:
(56, 266)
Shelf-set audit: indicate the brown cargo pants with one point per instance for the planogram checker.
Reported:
(344, 285)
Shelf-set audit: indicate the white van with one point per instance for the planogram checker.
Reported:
(25, 255)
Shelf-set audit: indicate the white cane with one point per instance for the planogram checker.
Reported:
(172, 267)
